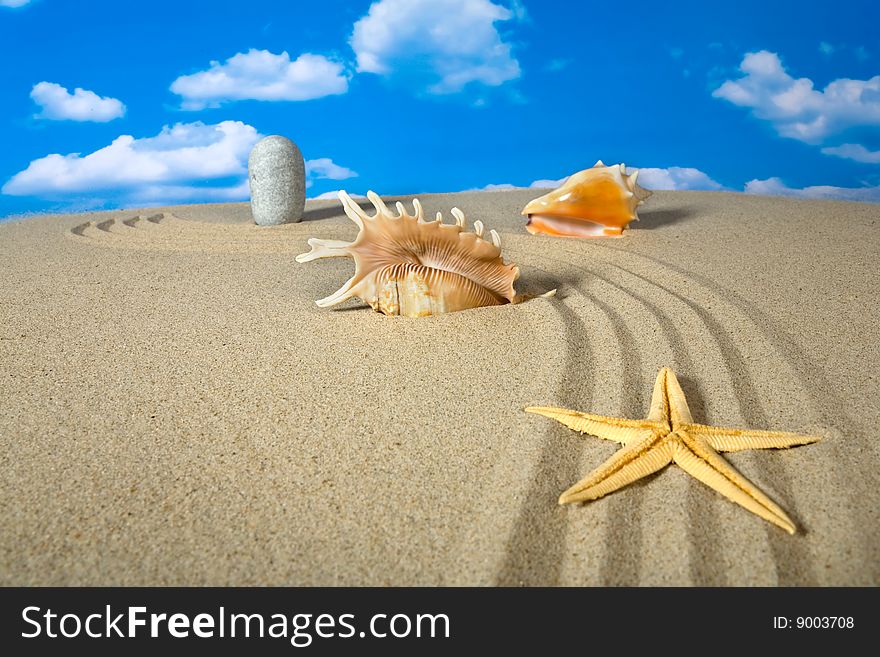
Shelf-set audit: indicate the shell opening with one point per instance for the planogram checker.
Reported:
(568, 227)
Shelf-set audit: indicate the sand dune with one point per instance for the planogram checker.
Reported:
(176, 409)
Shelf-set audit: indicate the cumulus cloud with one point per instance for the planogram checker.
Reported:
(166, 194)
(855, 152)
(333, 195)
(686, 178)
(58, 104)
(186, 162)
(324, 167)
(680, 178)
(670, 178)
(542, 183)
(503, 187)
(795, 108)
(261, 75)
(546, 183)
(492, 187)
(447, 45)
(185, 152)
(775, 187)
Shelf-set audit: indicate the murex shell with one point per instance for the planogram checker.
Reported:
(407, 266)
(595, 202)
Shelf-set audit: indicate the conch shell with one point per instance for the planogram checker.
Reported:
(595, 202)
(407, 266)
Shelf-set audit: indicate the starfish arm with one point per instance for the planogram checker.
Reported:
(696, 457)
(668, 403)
(619, 430)
(626, 466)
(734, 440)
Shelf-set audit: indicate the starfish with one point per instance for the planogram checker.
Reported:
(669, 435)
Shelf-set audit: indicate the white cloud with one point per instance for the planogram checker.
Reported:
(680, 178)
(794, 107)
(324, 167)
(333, 195)
(493, 187)
(545, 183)
(686, 178)
(58, 104)
(448, 44)
(176, 194)
(187, 162)
(175, 165)
(13, 3)
(503, 187)
(775, 187)
(855, 152)
(184, 152)
(671, 178)
(826, 48)
(261, 75)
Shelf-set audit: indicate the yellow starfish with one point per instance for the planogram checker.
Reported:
(670, 435)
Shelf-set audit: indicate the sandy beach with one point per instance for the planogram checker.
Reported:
(176, 410)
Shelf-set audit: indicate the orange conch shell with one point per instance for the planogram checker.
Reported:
(407, 266)
(596, 202)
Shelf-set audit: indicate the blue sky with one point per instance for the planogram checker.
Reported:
(119, 104)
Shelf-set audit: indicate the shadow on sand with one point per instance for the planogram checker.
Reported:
(656, 218)
(335, 210)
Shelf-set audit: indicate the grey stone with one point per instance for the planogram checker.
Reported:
(277, 175)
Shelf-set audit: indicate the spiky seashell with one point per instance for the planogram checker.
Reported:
(407, 266)
(595, 202)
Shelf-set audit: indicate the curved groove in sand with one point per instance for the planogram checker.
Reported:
(622, 557)
(822, 404)
(751, 409)
(731, 358)
(532, 520)
(699, 501)
(536, 531)
(166, 232)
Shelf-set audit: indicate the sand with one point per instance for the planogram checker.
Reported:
(176, 410)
